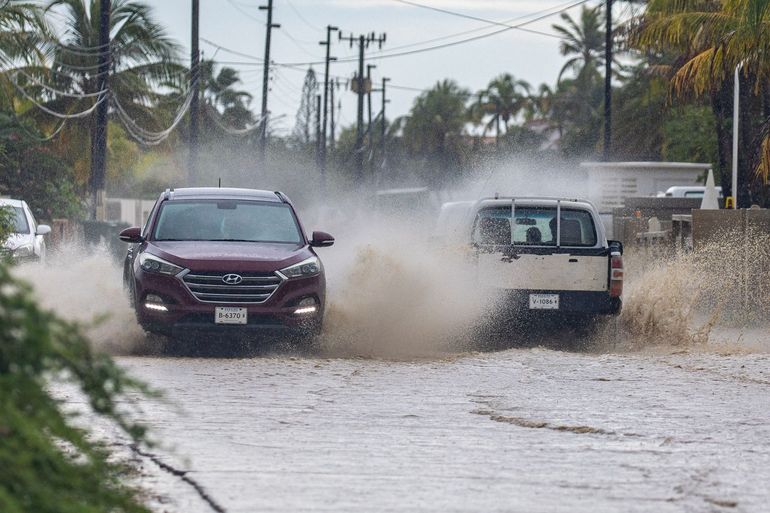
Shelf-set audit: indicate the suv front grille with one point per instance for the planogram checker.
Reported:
(211, 288)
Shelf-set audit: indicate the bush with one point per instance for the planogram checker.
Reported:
(29, 170)
(47, 464)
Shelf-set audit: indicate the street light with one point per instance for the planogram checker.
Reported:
(736, 104)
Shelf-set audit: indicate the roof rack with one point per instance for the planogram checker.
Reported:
(534, 198)
(281, 197)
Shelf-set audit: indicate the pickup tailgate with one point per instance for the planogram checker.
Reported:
(551, 272)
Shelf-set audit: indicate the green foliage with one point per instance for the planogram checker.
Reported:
(690, 136)
(434, 131)
(583, 43)
(47, 464)
(6, 224)
(29, 170)
(520, 140)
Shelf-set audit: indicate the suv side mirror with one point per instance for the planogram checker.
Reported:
(131, 235)
(321, 240)
(43, 229)
(615, 246)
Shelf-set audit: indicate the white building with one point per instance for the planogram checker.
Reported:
(610, 183)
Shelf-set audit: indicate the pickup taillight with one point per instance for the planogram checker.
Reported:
(616, 275)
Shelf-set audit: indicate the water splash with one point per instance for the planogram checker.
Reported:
(85, 285)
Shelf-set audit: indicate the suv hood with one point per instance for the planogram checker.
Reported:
(230, 256)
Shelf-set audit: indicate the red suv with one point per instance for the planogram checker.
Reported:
(225, 259)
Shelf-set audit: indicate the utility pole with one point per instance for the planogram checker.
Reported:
(334, 85)
(318, 135)
(384, 142)
(195, 74)
(266, 80)
(369, 89)
(359, 87)
(99, 134)
(608, 84)
(328, 45)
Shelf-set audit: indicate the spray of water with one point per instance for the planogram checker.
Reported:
(86, 286)
(393, 291)
(398, 299)
(717, 295)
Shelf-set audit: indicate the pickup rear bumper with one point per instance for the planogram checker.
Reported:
(570, 302)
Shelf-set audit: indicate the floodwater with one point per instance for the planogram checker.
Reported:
(404, 407)
(515, 430)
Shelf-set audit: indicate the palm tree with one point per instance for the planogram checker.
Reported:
(713, 38)
(433, 130)
(21, 31)
(578, 98)
(503, 99)
(583, 41)
(222, 98)
(143, 57)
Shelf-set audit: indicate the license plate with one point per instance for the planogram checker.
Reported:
(544, 301)
(230, 315)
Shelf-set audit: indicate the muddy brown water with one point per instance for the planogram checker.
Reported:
(400, 410)
(514, 430)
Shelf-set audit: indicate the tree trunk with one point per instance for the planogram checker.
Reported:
(748, 139)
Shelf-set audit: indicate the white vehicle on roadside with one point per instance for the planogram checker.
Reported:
(553, 258)
(688, 191)
(26, 242)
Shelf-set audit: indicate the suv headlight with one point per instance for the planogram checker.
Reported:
(24, 251)
(153, 264)
(304, 269)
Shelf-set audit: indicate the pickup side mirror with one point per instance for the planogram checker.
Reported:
(131, 235)
(43, 229)
(615, 246)
(321, 240)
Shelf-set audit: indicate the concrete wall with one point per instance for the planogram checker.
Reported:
(710, 225)
(133, 212)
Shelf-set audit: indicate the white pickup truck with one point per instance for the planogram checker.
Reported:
(554, 256)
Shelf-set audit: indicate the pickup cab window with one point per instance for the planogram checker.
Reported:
(534, 226)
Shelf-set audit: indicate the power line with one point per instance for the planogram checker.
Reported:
(244, 12)
(59, 115)
(52, 90)
(540, 15)
(215, 114)
(298, 43)
(479, 29)
(469, 17)
(507, 28)
(304, 20)
(148, 137)
(228, 50)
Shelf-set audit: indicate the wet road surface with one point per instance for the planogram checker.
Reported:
(525, 430)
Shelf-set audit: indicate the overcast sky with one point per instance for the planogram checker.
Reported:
(239, 25)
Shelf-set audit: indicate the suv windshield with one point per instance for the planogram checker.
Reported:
(535, 226)
(227, 220)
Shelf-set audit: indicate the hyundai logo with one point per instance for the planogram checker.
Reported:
(232, 279)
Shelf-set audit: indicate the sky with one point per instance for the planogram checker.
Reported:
(239, 26)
